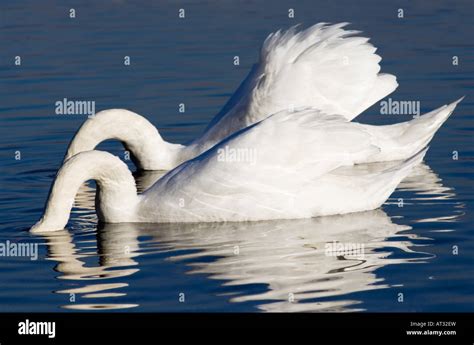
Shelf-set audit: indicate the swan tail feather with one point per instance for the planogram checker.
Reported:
(425, 127)
(384, 183)
(402, 140)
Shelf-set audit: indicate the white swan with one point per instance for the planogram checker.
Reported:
(325, 67)
(292, 173)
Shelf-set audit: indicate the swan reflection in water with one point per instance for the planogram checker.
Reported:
(115, 253)
(289, 257)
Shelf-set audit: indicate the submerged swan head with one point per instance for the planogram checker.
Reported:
(116, 193)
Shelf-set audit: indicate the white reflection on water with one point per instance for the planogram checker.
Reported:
(287, 256)
(116, 251)
(290, 257)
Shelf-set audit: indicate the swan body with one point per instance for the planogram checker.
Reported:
(324, 66)
(293, 174)
(273, 152)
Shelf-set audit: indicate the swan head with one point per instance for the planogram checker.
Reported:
(116, 199)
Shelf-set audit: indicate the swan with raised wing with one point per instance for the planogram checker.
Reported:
(288, 170)
(324, 67)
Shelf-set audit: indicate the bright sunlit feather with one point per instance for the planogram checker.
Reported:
(293, 175)
(324, 66)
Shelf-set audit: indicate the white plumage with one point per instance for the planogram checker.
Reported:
(251, 165)
(325, 67)
(293, 175)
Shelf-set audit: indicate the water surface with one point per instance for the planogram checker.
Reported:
(262, 266)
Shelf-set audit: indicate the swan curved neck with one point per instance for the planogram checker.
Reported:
(149, 150)
(117, 194)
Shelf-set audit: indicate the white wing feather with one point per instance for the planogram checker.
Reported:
(290, 152)
(324, 67)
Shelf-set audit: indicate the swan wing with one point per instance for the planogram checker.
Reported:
(323, 66)
(262, 166)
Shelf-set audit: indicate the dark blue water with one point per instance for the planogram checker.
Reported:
(423, 250)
